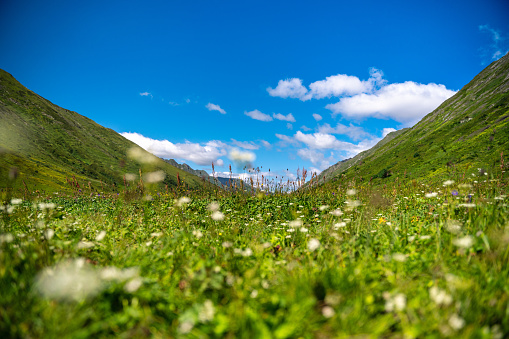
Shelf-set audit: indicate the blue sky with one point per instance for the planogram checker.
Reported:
(276, 84)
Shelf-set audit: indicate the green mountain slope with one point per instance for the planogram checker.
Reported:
(469, 130)
(46, 145)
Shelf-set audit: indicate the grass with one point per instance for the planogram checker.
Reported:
(406, 259)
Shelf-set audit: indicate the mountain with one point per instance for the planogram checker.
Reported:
(222, 182)
(469, 130)
(52, 148)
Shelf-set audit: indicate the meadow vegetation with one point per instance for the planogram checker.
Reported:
(404, 259)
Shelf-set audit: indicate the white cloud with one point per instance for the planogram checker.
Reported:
(353, 132)
(404, 102)
(213, 107)
(499, 46)
(286, 139)
(388, 130)
(219, 162)
(305, 128)
(146, 94)
(316, 158)
(289, 88)
(338, 85)
(266, 144)
(257, 115)
(245, 144)
(283, 117)
(241, 158)
(197, 153)
(289, 126)
(317, 117)
(319, 140)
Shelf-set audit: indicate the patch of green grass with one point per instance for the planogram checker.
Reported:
(408, 259)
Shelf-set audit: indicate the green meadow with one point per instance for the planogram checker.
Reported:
(348, 258)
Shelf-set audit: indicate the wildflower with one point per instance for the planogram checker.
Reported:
(85, 244)
(213, 206)
(182, 201)
(396, 302)
(185, 327)
(72, 280)
(351, 192)
(16, 201)
(227, 244)
(467, 205)
(448, 182)
(198, 234)
(399, 257)
(337, 213)
(207, 311)
(6, 237)
(295, 223)
(217, 216)
(454, 192)
(44, 206)
(100, 236)
(153, 177)
(313, 244)
(254, 294)
(439, 296)
(247, 252)
(465, 242)
(339, 225)
(49, 233)
(304, 230)
(130, 176)
(453, 226)
(133, 285)
(324, 207)
(431, 195)
(456, 322)
(328, 312)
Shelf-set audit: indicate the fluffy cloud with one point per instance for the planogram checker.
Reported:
(245, 144)
(404, 102)
(317, 158)
(257, 115)
(353, 132)
(319, 140)
(337, 85)
(199, 154)
(213, 107)
(386, 131)
(289, 88)
(266, 144)
(282, 117)
(146, 94)
(317, 117)
(286, 139)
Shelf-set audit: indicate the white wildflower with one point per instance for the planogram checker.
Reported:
(227, 244)
(49, 233)
(153, 177)
(453, 226)
(394, 303)
(217, 216)
(304, 230)
(185, 327)
(100, 236)
(133, 285)
(456, 322)
(324, 207)
(6, 237)
(198, 234)
(448, 182)
(328, 312)
(254, 294)
(213, 206)
(16, 201)
(399, 257)
(467, 205)
(207, 311)
(431, 195)
(295, 223)
(183, 201)
(464, 242)
(351, 192)
(439, 296)
(85, 244)
(337, 213)
(313, 244)
(72, 280)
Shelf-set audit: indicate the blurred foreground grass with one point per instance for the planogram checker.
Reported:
(408, 260)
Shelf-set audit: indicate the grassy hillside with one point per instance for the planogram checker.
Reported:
(46, 145)
(469, 130)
